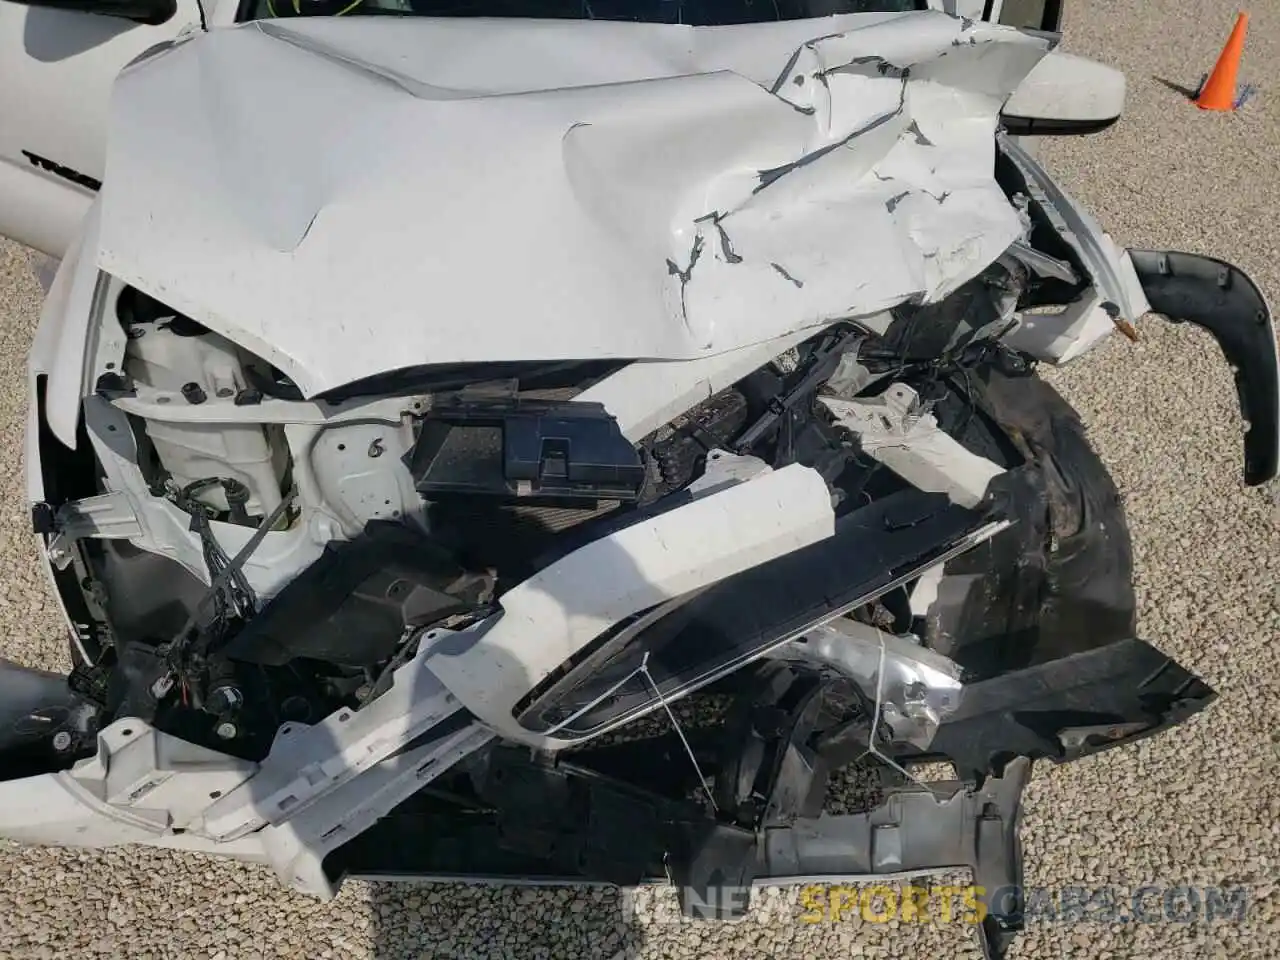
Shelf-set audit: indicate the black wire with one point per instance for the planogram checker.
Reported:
(909, 339)
(204, 21)
(973, 405)
(237, 598)
(178, 647)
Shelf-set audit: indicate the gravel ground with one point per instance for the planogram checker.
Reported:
(1196, 806)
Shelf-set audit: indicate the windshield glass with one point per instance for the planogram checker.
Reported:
(691, 12)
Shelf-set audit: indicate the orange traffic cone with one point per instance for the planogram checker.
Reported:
(1219, 91)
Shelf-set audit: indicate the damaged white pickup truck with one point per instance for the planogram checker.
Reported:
(552, 449)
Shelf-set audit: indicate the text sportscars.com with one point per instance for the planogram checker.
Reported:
(959, 903)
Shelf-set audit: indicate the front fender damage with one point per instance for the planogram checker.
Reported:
(1022, 649)
(603, 621)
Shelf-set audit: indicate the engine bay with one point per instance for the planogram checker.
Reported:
(433, 512)
(975, 546)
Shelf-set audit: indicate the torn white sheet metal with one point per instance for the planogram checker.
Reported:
(894, 430)
(350, 197)
(1059, 337)
(1115, 291)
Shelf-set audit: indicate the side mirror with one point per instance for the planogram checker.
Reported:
(151, 12)
(1065, 94)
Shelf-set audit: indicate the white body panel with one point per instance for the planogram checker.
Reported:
(56, 72)
(59, 350)
(549, 190)
(555, 613)
(1066, 87)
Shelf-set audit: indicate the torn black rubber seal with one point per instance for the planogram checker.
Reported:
(1221, 299)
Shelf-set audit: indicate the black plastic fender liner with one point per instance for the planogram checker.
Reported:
(1069, 708)
(1221, 299)
(354, 603)
(1060, 580)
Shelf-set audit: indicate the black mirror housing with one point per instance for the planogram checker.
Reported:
(149, 12)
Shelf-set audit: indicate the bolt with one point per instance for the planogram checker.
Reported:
(193, 392)
(62, 741)
(376, 449)
(226, 730)
(225, 698)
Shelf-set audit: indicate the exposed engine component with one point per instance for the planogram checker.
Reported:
(173, 360)
(524, 450)
(511, 481)
(680, 448)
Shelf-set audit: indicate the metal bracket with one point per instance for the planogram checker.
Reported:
(895, 429)
(108, 516)
(1041, 264)
(920, 687)
(725, 469)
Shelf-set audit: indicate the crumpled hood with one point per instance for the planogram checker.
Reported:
(348, 197)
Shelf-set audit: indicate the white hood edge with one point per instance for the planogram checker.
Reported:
(347, 198)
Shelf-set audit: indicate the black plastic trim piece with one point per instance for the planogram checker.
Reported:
(66, 173)
(1220, 298)
(525, 451)
(353, 605)
(1066, 709)
(151, 13)
(1048, 127)
(1052, 21)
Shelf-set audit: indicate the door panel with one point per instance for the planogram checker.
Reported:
(56, 72)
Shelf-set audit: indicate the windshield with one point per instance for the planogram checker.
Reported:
(691, 12)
